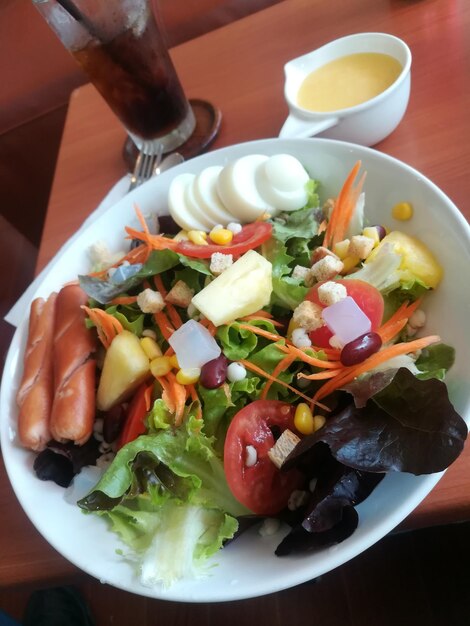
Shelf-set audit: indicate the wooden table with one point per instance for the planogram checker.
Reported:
(240, 69)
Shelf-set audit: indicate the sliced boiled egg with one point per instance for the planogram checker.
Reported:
(195, 208)
(237, 187)
(177, 204)
(206, 195)
(281, 181)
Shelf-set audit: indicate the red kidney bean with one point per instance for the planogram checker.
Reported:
(113, 421)
(381, 231)
(360, 349)
(214, 373)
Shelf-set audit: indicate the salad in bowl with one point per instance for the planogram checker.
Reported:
(247, 383)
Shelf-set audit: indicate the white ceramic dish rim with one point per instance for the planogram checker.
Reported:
(286, 573)
(332, 45)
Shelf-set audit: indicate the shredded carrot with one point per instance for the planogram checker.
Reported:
(107, 325)
(148, 397)
(280, 367)
(124, 300)
(397, 321)
(260, 331)
(388, 332)
(300, 354)
(321, 375)
(179, 395)
(257, 316)
(209, 325)
(344, 208)
(352, 372)
(167, 396)
(141, 219)
(157, 279)
(195, 398)
(172, 312)
(139, 254)
(257, 370)
(153, 242)
(322, 227)
(164, 324)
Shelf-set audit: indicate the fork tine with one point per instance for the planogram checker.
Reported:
(146, 162)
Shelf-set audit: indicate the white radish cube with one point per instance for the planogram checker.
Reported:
(194, 346)
(346, 320)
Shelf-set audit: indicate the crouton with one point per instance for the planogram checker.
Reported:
(360, 246)
(308, 316)
(327, 268)
(330, 292)
(320, 253)
(283, 447)
(300, 272)
(150, 301)
(220, 262)
(180, 294)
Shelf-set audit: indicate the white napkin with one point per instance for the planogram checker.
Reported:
(120, 189)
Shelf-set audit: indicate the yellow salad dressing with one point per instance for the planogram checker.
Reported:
(348, 81)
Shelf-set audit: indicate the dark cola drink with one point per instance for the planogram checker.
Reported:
(134, 73)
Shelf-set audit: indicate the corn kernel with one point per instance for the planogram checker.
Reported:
(198, 237)
(160, 366)
(349, 263)
(318, 422)
(292, 326)
(303, 419)
(221, 236)
(174, 362)
(402, 211)
(372, 233)
(150, 347)
(341, 249)
(181, 236)
(188, 376)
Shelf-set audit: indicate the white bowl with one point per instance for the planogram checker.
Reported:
(366, 123)
(248, 566)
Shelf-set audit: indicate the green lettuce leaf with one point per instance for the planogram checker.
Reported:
(434, 361)
(238, 343)
(288, 292)
(220, 405)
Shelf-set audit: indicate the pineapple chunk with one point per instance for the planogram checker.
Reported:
(125, 366)
(243, 288)
(417, 258)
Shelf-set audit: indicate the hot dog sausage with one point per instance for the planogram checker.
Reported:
(73, 409)
(36, 391)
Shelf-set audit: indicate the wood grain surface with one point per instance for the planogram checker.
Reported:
(240, 69)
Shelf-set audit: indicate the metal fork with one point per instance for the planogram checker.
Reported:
(147, 160)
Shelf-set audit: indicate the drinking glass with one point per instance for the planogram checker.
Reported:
(121, 47)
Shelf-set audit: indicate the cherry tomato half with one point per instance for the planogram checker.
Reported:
(251, 236)
(262, 488)
(367, 297)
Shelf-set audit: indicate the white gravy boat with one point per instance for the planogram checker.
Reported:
(366, 123)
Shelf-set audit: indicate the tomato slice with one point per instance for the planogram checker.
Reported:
(251, 236)
(136, 413)
(367, 297)
(262, 487)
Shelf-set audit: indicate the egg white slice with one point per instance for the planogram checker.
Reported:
(205, 193)
(196, 210)
(177, 204)
(237, 189)
(281, 181)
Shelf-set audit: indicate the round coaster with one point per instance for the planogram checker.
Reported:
(208, 119)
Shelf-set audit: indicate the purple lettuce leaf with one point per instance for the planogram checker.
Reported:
(410, 426)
